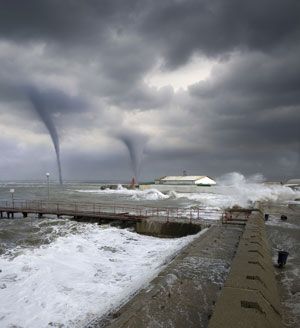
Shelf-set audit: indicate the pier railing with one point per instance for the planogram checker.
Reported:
(99, 209)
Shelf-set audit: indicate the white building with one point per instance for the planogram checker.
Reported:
(195, 180)
(182, 184)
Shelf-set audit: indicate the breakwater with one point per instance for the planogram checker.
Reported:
(250, 295)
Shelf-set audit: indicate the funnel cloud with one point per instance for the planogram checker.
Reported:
(36, 99)
(135, 144)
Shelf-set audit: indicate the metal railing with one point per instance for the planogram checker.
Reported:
(98, 209)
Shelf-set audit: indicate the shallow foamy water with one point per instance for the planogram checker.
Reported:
(79, 277)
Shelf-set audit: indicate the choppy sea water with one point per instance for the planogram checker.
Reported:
(56, 272)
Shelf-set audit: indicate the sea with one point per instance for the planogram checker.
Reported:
(55, 272)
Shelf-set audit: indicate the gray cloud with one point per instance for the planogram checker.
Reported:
(216, 28)
(89, 61)
(67, 22)
(254, 101)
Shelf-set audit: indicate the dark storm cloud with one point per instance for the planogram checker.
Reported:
(57, 101)
(63, 21)
(255, 99)
(217, 27)
(251, 121)
(244, 116)
(176, 28)
(270, 80)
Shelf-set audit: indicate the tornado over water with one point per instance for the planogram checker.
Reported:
(135, 144)
(39, 106)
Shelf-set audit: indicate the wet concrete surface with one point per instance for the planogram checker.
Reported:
(184, 294)
(285, 235)
(250, 296)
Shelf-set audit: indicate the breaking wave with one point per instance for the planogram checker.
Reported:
(80, 276)
(232, 189)
(235, 189)
(134, 194)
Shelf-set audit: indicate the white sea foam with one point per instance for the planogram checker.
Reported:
(79, 277)
(252, 189)
(232, 189)
(235, 189)
(134, 194)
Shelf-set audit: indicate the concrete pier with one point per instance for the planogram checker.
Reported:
(250, 296)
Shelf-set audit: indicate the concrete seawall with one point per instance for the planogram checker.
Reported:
(250, 296)
(166, 229)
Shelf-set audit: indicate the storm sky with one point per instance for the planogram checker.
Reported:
(212, 85)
